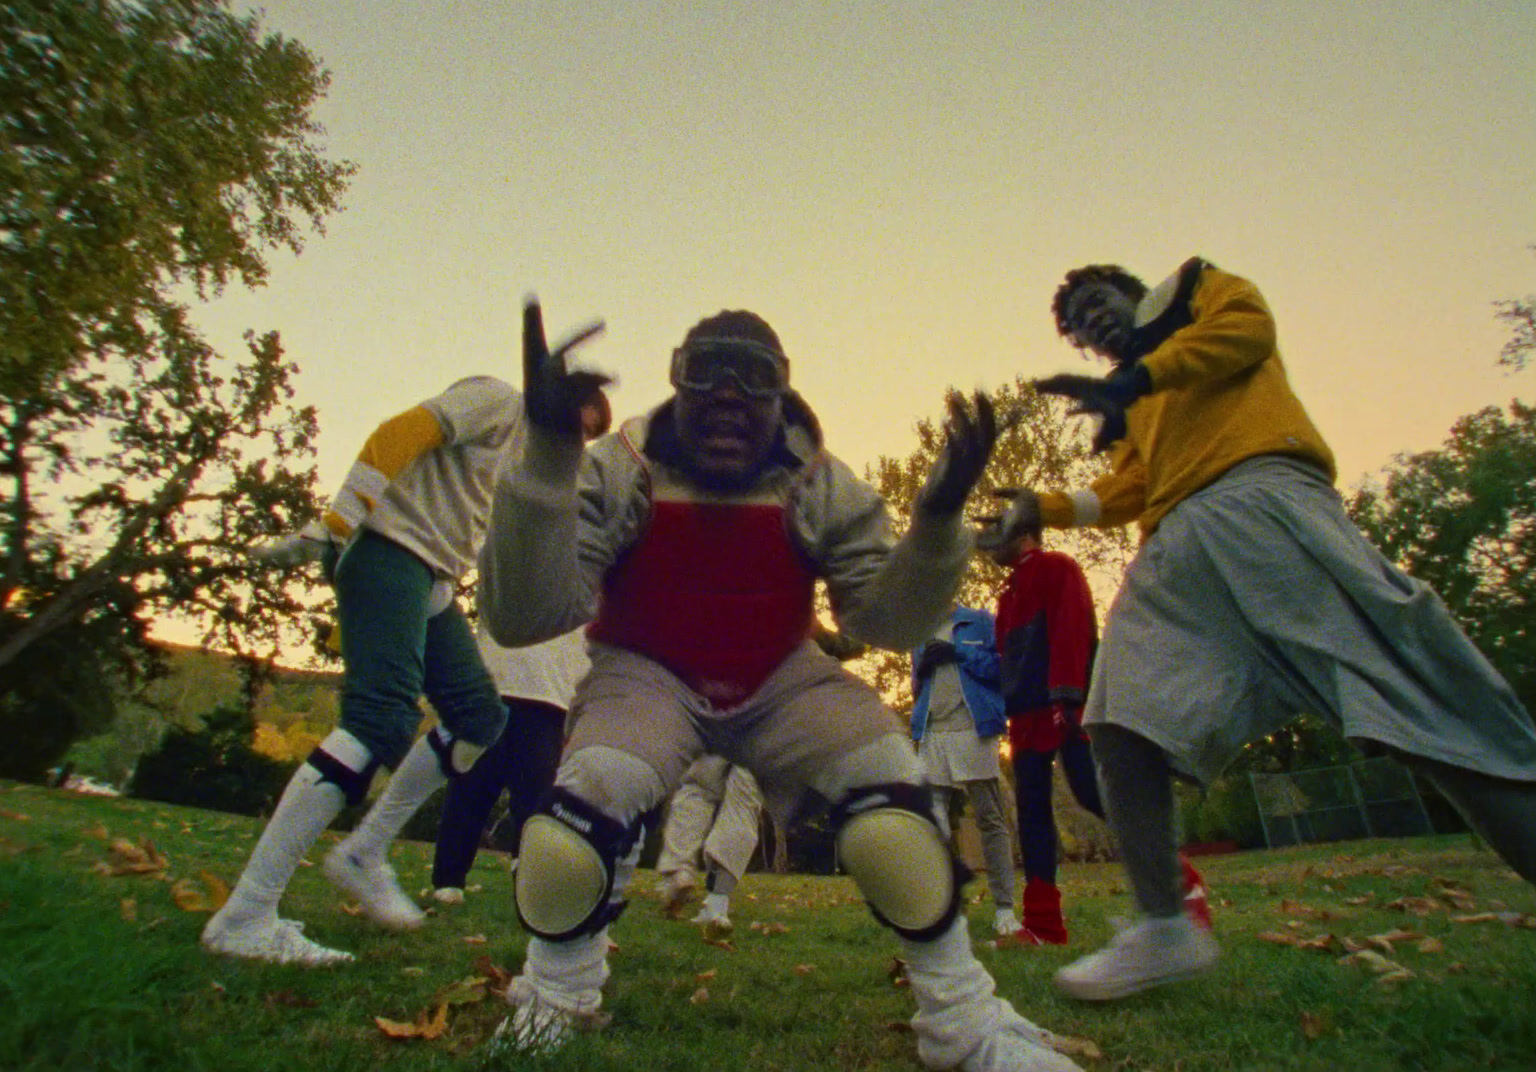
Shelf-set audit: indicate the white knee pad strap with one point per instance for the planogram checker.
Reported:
(888, 841)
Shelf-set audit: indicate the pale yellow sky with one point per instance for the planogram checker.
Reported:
(898, 187)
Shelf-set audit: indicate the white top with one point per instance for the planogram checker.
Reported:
(547, 672)
(439, 505)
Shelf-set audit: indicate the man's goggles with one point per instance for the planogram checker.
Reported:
(703, 364)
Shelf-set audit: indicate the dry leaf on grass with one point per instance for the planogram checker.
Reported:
(426, 1025)
(475, 939)
(209, 896)
(1315, 1025)
(130, 859)
(1431, 945)
(1418, 906)
(467, 991)
(128, 908)
(804, 969)
(498, 977)
(1388, 972)
(97, 831)
(699, 996)
(15, 816)
(705, 976)
(1072, 1046)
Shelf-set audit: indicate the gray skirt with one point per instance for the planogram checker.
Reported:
(1257, 599)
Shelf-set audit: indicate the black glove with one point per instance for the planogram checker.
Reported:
(968, 442)
(552, 394)
(1109, 397)
(935, 654)
(997, 531)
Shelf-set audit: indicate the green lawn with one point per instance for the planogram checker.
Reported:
(102, 970)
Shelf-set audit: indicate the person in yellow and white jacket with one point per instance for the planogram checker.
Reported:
(405, 526)
(1253, 598)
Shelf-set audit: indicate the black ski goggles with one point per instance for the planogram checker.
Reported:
(703, 364)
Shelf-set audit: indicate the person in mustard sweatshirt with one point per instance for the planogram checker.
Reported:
(1252, 598)
(406, 525)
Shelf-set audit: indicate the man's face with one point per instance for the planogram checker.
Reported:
(1100, 317)
(730, 395)
(726, 435)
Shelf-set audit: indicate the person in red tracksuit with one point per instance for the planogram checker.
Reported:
(1047, 632)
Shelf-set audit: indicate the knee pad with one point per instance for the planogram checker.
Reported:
(889, 843)
(454, 755)
(346, 763)
(565, 868)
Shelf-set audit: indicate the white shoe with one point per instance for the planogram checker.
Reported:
(1005, 923)
(539, 1025)
(375, 888)
(448, 895)
(1143, 955)
(715, 912)
(280, 941)
(1017, 1045)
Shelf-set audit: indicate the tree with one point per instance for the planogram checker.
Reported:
(1041, 448)
(213, 766)
(149, 151)
(1520, 315)
(1463, 520)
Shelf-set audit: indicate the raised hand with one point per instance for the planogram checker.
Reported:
(552, 393)
(1107, 398)
(969, 436)
(997, 531)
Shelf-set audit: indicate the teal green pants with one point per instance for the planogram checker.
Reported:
(394, 654)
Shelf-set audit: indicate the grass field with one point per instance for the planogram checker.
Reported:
(101, 902)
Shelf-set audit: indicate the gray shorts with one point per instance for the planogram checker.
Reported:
(808, 713)
(1257, 599)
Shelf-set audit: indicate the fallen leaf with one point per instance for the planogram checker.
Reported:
(413, 971)
(705, 976)
(499, 977)
(1071, 1046)
(475, 939)
(1431, 945)
(210, 896)
(15, 816)
(1477, 917)
(467, 991)
(1419, 906)
(1321, 943)
(719, 943)
(130, 859)
(426, 1026)
(699, 996)
(1278, 938)
(804, 969)
(98, 832)
(1375, 962)
(129, 909)
(1398, 934)
(1314, 1025)
(1357, 901)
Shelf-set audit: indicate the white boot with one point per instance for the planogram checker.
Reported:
(1143, 955)
(360, 864)
(247, 925)
(961, 1022)
(559, 993)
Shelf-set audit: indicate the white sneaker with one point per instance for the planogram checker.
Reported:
(375, 888)
(448, 895)
(538, 1026)
(1018, 1045)
(280, 941)
(715, 913)
(1143, 955)
(1005, 923)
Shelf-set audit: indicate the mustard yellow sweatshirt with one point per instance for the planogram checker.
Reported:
(1219, 396)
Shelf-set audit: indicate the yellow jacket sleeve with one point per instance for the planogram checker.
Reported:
(392, 447)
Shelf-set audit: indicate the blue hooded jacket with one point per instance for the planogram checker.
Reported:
(975, 640)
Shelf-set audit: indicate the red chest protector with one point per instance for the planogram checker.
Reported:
(713, 590)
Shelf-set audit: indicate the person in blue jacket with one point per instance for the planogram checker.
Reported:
(957, 721)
